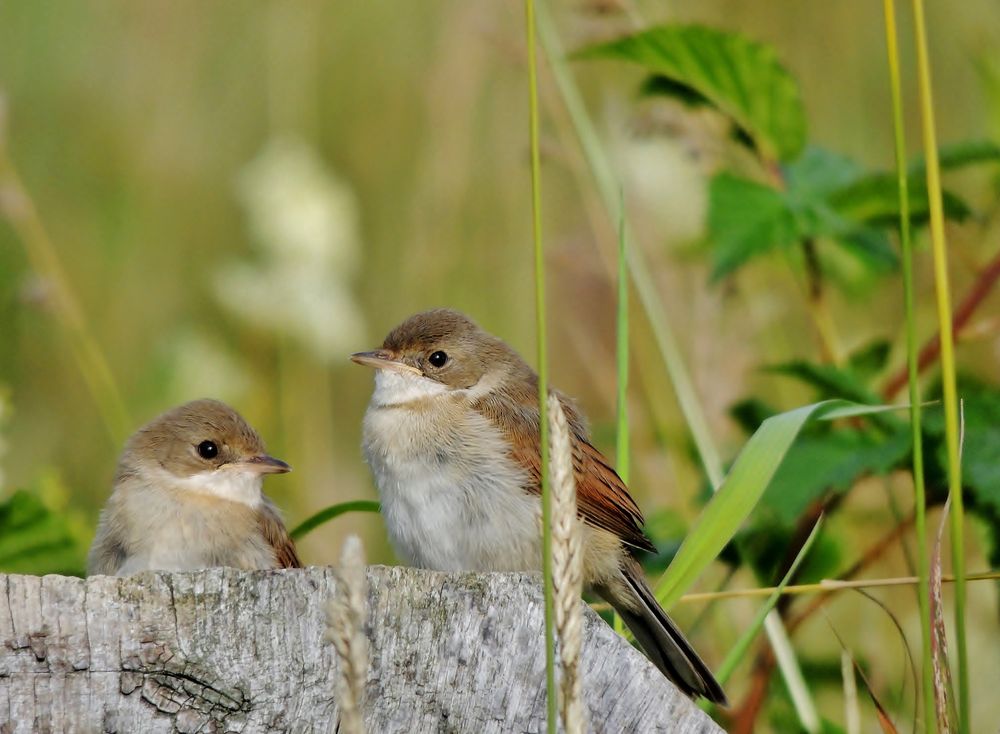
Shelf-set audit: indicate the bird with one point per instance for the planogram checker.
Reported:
(451, 435)
(187, 495)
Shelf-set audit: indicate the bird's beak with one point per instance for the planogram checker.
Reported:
(382, 359)
(264, 464)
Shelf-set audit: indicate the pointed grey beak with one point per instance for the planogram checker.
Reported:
(264, 464)
(382, 359)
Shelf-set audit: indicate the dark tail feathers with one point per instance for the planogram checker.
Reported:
(663, 643)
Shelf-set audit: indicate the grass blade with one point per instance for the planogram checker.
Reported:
(329, 513)
(912, 363)
(739, 650)
(742, 489)
(852, 713)
(884, 720)
(694, 417)
(948, 383)
(621, 361)
(18, 208)
(943, 692)
(543, 371)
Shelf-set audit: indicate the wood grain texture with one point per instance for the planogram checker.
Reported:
(224, 650)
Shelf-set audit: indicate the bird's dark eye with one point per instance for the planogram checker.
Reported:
(208, 450)
(437, 359)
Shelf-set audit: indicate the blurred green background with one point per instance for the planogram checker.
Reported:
(242, 193)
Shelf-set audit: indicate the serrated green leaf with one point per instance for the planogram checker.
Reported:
(741, 78)
(870, 247)
(874, 199)
(981, 445)
(830, 381)
(958, 155)
(819, 172)
(661, 86)
(745, 219)
(870, 359)
(751, 412)
(749, 477)
(829, 462)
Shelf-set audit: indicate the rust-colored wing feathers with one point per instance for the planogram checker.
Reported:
(274, 532)
(603, 500)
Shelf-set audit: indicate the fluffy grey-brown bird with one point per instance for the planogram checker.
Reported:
(452, 438)
(187, 495)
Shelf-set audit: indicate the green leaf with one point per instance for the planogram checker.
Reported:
(870, 359)
(874, 199)
(329, 513)
(749, 477)
(751, 412)
(741, 78)
(819, 172)
(831, 461)
(868, 246)
(829, 381)
(657, 85)
(36, 540)
(981, 445)
(745, 219)
(742, 646)
(958, 155)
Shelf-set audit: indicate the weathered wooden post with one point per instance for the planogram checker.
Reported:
(223, 650)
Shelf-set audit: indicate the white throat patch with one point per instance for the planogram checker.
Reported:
(398, 388)
(228, 482)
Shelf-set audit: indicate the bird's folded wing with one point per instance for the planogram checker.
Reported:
(602, 498)
(274, 532)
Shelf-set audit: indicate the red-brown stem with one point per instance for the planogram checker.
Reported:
(932, 349)
(743, 717)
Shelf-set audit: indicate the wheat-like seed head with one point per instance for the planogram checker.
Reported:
(567, 568)
(346, 618)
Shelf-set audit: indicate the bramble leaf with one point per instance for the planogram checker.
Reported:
(741, 78)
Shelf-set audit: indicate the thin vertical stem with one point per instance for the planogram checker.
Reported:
(18, 208)
(642, 281)
(543, 371)
(645, 288)
(950, 391)
(919, 499)
(621, 354)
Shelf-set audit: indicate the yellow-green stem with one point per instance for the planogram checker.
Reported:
(950, 392)
(20, 211)
(919, 498)
(543, 371)
(652, 306)
(621, 350)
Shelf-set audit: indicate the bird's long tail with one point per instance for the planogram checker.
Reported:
(660, 639)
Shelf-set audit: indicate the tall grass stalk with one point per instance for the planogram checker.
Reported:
(18, 208)
(621, 360)
(621, 354)
(950, 392)
(919, 498)
(543, 370)
(687, 399)
(742, 646)
(645, 288)
(852, 712)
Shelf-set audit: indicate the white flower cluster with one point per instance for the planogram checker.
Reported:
(305, 223)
